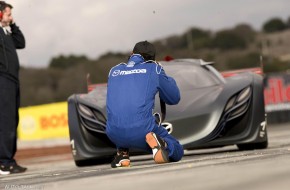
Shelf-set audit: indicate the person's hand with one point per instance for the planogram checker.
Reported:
(12, 21)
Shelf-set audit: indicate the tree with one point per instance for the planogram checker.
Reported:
(227, 39)
(245, 31)
(64, 62)
(274, 25)
(245, 61)
(288, 23)
(176, 42)
(197, 38)
(39, 86)
(275, 65)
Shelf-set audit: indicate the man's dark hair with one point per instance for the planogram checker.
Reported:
(146, 49)
(3, 5)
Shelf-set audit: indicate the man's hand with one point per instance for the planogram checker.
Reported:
(12, 21)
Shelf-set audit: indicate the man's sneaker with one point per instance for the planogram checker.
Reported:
(158, 145)
(4, 170)
(12, 169)
(121, 159)
(15, 168)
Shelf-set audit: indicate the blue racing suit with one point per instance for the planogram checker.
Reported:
(130, 102)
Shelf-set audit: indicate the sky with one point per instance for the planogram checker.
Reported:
(94, 27)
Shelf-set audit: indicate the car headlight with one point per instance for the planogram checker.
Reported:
(86, 111)
(244, 94)
(238, 104)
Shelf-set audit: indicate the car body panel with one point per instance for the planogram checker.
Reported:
(213, 111)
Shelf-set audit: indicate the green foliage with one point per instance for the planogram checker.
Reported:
(274, 25)
(176, 42)
(253, 60)
(198, 33)
(197, 38)
(227, 40)
(245, 31)
(64, 62)
(288, 22)
(38, 86)
(112, 54)
(244, 61)
(275, 65)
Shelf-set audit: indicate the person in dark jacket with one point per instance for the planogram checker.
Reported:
(132, 87)
(11, 38)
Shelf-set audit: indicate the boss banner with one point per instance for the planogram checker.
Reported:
(43, 122)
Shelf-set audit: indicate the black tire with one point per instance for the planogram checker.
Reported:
(253, 146)
(80, 163)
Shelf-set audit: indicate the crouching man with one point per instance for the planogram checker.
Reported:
(132, 87)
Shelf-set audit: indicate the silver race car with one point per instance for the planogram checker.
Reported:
(213, 112)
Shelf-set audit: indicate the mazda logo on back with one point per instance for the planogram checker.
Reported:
(116, 73)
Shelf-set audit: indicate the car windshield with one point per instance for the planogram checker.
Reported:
(190, 74)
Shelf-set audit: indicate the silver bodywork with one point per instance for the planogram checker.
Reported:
(213, 111)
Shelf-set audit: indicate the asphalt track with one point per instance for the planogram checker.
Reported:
(208, 169)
